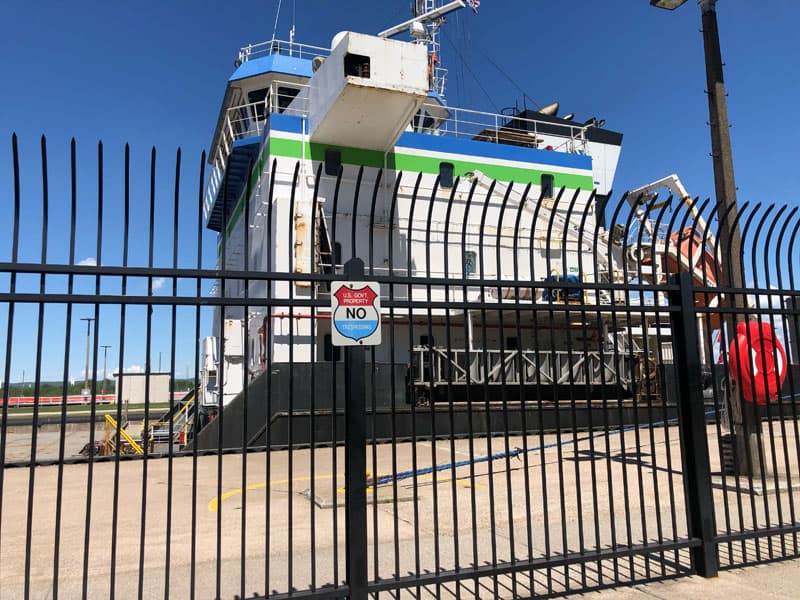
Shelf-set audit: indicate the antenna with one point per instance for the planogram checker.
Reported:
(277, 16)
(431, 13)
(291, 31)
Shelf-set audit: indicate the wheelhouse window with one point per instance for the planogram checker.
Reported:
(285, 97)
(423, 121)
(446, 171)
(333, 162)
(356, 65)
(547, 183)
(257, 97)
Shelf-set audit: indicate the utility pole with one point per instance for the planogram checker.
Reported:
(105, 355)
(744, 422)
(85, 391)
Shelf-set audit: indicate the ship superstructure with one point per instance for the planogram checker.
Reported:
(303, 129)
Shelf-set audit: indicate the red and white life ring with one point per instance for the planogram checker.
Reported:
(758, 362)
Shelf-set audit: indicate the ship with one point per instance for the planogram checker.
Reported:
(323, 154)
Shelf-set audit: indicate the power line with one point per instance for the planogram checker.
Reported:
(466, 66)
(486, 55)
(514, 83)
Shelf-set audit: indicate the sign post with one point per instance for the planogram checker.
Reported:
(355, 323)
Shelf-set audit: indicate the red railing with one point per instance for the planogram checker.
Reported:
(55, 400)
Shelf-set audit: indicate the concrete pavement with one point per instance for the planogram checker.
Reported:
(779, 581)
(249, 525)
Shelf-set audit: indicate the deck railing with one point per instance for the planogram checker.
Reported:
(246, 121)
(275, 46)
(514, 130)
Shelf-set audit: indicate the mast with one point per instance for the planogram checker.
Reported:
(424, 28)
(431, 39)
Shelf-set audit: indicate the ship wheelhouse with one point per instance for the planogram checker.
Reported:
(367, 104)
(267, 79)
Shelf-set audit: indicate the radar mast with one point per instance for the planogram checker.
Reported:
(424, 28)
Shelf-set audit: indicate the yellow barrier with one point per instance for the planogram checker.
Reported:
(111, 421)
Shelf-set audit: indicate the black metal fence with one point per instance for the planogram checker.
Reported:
(519, 432)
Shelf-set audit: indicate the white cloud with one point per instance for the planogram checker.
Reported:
(89, 261)
(134, 369)
(158, 283)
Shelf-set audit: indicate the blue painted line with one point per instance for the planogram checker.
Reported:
(284, 122)
(514, 453)
(473, 148)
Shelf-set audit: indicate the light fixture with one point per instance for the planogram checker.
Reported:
(593, 122)
(667, 4)
(569, 117)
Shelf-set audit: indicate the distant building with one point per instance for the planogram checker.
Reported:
(130, 388)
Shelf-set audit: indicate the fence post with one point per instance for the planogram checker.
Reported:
(692, 428)
(355, 471)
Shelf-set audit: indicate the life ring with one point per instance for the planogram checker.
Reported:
(758, 362)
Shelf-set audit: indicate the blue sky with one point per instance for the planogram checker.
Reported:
(153, 74)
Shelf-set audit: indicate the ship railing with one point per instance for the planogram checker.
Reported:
(289, 104)
(247, 121)
(276, 46)
(514, 130)
(439, 80)
(435, 366)
(241, 122)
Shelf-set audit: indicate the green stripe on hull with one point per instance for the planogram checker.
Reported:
(398, 162)
(426, 164)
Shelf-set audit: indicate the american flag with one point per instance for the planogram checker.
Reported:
(474, 4)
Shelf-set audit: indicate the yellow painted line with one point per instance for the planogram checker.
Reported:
(459, 481)
(213, 506)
